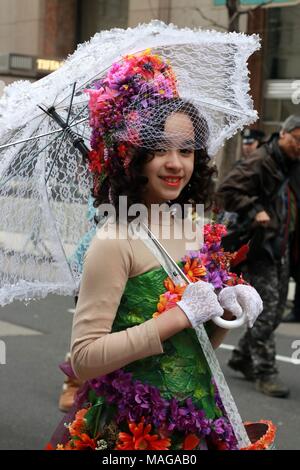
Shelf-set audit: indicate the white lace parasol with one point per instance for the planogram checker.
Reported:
(44, 182)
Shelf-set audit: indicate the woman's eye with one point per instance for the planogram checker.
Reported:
(186, 151)
(160, 151)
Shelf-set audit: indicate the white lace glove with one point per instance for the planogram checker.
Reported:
(200, 303)
(242, 299)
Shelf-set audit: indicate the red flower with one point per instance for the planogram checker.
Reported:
(84, 443)
(190, 442)
(216, 443)
(122, 150)
(213, 233)
(95, 165)
(234, 279)
(140, 439)
(80, 442)
(49, 446)
(240, 255)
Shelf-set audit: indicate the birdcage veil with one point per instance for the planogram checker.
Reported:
(212, 78)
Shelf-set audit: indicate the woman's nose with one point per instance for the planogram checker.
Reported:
(173, 160)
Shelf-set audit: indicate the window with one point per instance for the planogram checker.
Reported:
(97, 15)
(283, 43)
(276, 111)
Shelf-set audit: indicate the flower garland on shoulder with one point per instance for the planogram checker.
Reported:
(210, 264)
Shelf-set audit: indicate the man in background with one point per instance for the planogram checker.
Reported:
(263, 192)
(251, 140)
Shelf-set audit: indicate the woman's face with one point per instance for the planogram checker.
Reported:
(172, 166)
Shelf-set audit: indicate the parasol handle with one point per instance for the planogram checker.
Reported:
(179, 277)
(229, 324)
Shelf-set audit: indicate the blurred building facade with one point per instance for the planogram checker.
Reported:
(37, 35)
(281, 66)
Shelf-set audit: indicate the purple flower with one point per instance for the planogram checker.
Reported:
(215, 278)
(135, 400)
(188, 419)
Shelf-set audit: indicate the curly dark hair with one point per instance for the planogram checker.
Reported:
(131, 182)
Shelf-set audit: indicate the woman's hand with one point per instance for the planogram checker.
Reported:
(242, 299)
(200, 303)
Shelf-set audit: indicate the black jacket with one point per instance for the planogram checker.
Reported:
(258, 183)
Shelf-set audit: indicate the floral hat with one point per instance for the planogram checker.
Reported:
(122, 104)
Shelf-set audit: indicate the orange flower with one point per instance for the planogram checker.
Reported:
(173, 288)
(166, 301)
(266, 440)
(83, 443)
(161, 306)
(190, 442)
(140, 439)
(78, 424)
(194, 269)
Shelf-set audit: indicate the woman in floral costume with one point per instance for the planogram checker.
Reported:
(147, 382)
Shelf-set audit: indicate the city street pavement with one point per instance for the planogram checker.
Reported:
(36, 338)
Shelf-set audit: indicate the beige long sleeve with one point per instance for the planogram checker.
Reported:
(96, 351)
(108, 264)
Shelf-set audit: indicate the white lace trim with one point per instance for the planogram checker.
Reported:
(211, 68)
